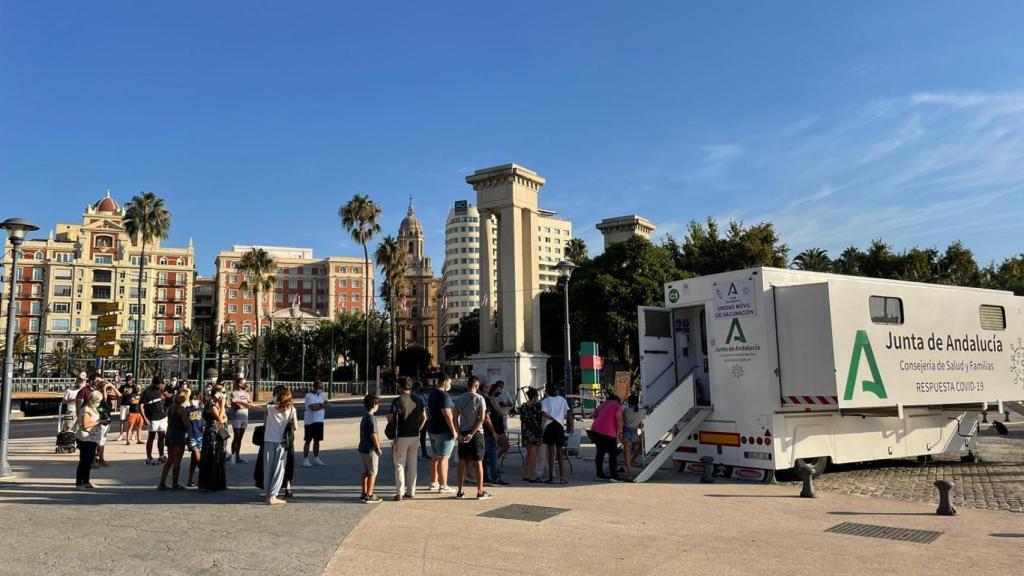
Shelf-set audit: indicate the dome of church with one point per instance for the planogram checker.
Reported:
(106, 204)
(410, 224)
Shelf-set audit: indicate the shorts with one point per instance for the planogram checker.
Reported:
(134, 419)
(472, 451)
(554, 435)
(314, 431)
(158, 425)
(370, 463)
(176, 439)
(239, 422)
(195, 444)
(124, 412)
(103, 434)
(442, 444)
(630, 434)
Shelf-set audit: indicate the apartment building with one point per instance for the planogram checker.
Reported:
(306, 289)
(62, 277)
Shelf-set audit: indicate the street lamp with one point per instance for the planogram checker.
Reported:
(565, 269)
(16, 229)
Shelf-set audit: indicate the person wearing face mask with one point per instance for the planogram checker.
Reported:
(87, 437)
(315, 414)
(212, 468)
(194, 439)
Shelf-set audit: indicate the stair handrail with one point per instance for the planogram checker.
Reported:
(654, 434)
(651, 408)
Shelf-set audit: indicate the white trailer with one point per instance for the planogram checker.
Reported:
(762, 367)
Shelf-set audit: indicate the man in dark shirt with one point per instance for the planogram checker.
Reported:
(441, 427)
(494, 434)
(126, 389)
(369, 448)
(408, 409)
(154, 418)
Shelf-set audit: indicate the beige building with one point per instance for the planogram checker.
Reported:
(306, 289)
(63, 277)
(460, 285)
(416, 319)
(622, 228)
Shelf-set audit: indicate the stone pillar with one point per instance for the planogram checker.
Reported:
(512, 315)
(488, 300)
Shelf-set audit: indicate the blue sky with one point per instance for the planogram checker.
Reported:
(256, 120)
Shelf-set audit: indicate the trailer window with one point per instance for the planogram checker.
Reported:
(657, 323)
(886, 310)
(993, 317)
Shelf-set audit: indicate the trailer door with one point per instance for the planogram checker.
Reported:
(657, 353)
(803, 327)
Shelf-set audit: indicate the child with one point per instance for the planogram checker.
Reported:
(369, 448)
(194, 415)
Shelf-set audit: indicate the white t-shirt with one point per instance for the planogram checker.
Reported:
(556, 407)
(312, 417)
(276, 423)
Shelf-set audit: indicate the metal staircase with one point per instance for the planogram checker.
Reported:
(669, 423)
(1017, 407)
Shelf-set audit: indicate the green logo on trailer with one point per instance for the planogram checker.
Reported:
(861, 344)
(735, 332)
(673, 295)
(732, 289)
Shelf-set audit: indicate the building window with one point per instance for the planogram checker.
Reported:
(134, 309)
(103, 242)
(33, 325)
(178, 325)
(103, 259)
(247, 294)
(293, 284)
(343, 297)
(278, 297)
(163, 261)
(355, 298)
(356, 283)
(246, 329)
(181, 261)
(61, 307)
(62, 290)
(232, 308)
(78, 306)
(247, 309)
(232, 293)
(993, 317)
(886, 310)
(233, 278)
(163, 277)
(101, 292)
(179, 277)
(307, 285)
(179, 310)
(161, 310)
(160, 325)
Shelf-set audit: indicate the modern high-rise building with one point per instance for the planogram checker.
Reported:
(306, 289)
(416, 319)
(460, 284)
(62, 278)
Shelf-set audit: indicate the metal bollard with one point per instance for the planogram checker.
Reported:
(945, 507)
(806, 472)
(709, 470)
(1007, 418)
(984, 417)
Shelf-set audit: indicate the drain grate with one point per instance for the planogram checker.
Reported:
(885, 532)
(524, 512)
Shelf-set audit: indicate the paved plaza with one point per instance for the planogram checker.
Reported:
(671, 525)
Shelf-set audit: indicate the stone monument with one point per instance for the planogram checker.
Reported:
(509, 304)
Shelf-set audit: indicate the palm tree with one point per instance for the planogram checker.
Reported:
(360, 218)
(82, 347)
(190, 340)
(230, 341)
(57, 361)
(257, 264)
(146, 219)
(392, 259)
(812, 260)
(576, 251)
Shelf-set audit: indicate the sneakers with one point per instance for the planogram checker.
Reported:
(434, 487)
(460, 495)
(317, 461)
(371, 499)
(501, 483)
(161, 459)
(397, 498)
(446, 490)
(238, 459)
(306, 463)
(150, 462)
(484, 496)
(408, 496)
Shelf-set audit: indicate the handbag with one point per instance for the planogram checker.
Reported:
(391, 429)
(220, 430)
(257, 435)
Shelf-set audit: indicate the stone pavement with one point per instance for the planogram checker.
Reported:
(672, 525)
(994, 483)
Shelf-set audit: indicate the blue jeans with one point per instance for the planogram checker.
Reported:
(491, 473)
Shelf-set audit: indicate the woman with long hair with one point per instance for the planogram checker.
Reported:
(606, 431)
(531, 420)
(632, 422)
(212, 469)
(280, 414)
(87, 437)
(177, 437)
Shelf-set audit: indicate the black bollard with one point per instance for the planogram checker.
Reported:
(945, 507)
(709, 470)
(1007, 418)
(806, 472)
(984, 417)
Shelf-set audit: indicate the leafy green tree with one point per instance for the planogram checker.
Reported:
(57, 362)
(958, 267)
(466, 341)
(850, 262)
(917, 265)
(83, 348)
(705, 250)
(146, 219)
(257, 264)
(880, 261)
(1009, 275)
(812, 260)
(576, 251)
(413, 361)
(360, 218)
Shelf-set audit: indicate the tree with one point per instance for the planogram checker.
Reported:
(359, 217)
(82, 347)
(392, 259)
(1009, 275)
(850, 262)
(467, 340)
(190, 341)
(257, 264)
(705, 251)
(413, 361)
(576, 251)
(879, 261)
(629, 274)
(146, 219)
(57, 362)
(958, 267)
(812, 260)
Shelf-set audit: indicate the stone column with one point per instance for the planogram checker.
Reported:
(487, 295)
(511, 270)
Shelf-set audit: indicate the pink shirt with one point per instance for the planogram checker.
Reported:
(604, 419)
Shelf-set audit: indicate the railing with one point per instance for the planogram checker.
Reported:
(41, 384)
(299, 388)
(663, 416)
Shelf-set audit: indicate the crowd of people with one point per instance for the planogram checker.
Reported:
(180, 419)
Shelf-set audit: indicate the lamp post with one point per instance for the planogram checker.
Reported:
(565, 269)
(40, 343)
(302, 369)
(16, 229)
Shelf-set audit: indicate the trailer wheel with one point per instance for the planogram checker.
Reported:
(819, 464)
